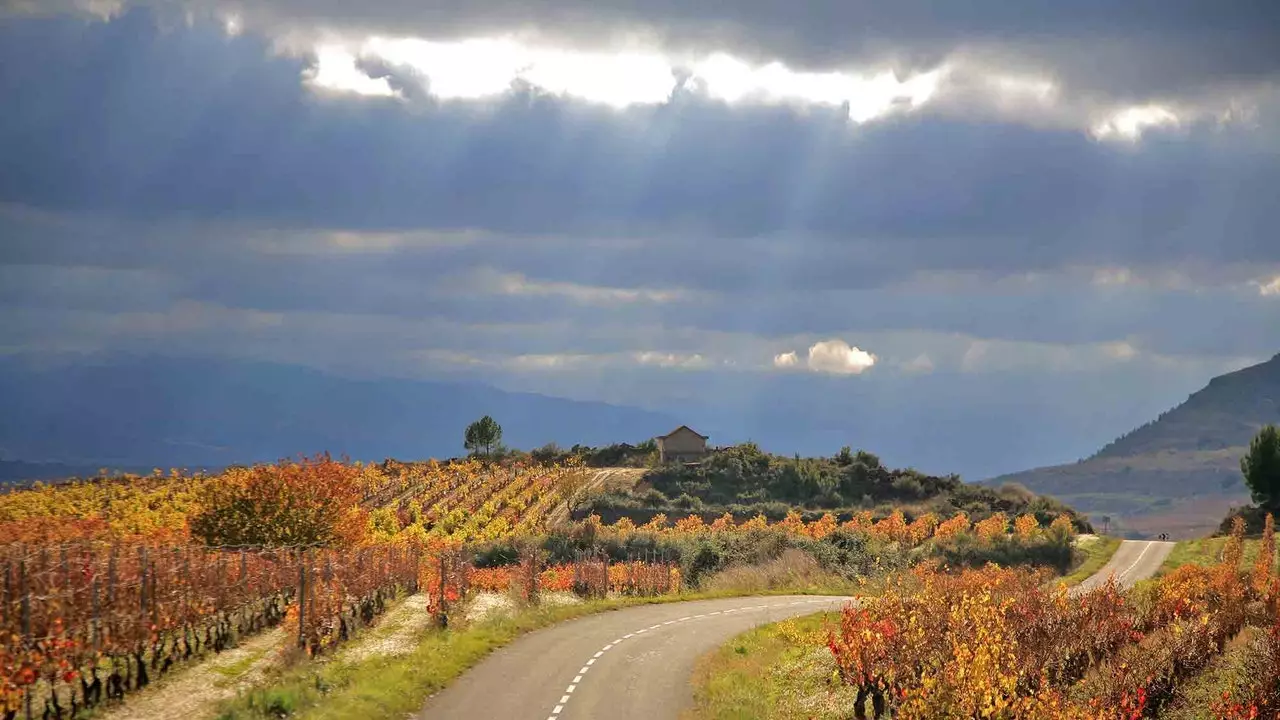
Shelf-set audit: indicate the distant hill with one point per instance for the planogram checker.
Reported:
(153, 412)
(17, 472)
(1178, 473)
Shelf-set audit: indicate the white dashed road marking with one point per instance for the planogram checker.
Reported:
(564, 700)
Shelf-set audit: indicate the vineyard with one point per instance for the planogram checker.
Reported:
(87, 622)
(111, 583)
(458, 502)
(1001, 643)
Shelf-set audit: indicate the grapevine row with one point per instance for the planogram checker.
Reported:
(1001, 643)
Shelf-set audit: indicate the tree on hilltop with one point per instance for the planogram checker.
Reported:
(1261, 468)
(483, 436)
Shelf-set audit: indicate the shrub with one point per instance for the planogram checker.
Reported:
(1047, 551)
(313, 501)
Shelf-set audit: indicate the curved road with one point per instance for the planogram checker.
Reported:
(1134, 560)
(635, 664)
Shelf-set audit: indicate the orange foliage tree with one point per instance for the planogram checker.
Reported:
(1264, 566)
(313, 501)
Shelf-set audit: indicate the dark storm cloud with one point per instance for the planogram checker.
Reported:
(177, 191)
(572, 306)
(189, 126)
(1137, 48)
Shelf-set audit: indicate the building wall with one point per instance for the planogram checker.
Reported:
(683, 445)
(684, 441)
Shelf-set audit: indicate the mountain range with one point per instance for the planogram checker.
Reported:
(1179, 473)
(163, 412)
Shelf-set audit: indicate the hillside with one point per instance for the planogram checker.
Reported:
(1178, 473)
(744, 481)
(18, 472)
(151, 411)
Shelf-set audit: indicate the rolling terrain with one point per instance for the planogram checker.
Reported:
(1177, 474)
(636, 663)
(188, 413)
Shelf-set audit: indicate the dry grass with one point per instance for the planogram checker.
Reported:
(780, 671)
(194, 693)
(1196, 694)
(792, 569)
(602, 480)
(1094, 553)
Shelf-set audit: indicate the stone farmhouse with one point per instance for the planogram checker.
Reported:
(682, 445)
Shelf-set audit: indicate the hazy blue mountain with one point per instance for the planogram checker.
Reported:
(20, 472)
(1180, 472)
(162, 412)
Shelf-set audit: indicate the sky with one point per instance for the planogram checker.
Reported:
(976, 237)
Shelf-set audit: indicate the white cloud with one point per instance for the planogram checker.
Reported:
(186, 316)
(561, 362)
(352, 242)
(477, 68)
(1112, 276)
(975, 356)
(839, 358)
(622, 56)
(617, 80)
(1131, 122)
(921, 364)
(965, 82)
(336, 70)
(548, 361)
(671, 360)
(1120, 350)
(517, 284)
(995, 356)
(869, 95)
(1269, 288)
(786, 360)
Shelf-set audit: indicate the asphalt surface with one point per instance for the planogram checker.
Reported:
(635, 664)
(1134, 560)
(631, 664)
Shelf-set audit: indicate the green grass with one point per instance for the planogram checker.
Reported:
(1194, 696)
(395, 686)
(1095, 555)
(239, 667)
(1207, 551)
(782, 670)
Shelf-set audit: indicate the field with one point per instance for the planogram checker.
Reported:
(1201, 641)
(110, 584)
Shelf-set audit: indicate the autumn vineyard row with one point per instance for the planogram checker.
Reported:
(1000, 643)
(458, 502)
(83, 623)
(110, 583)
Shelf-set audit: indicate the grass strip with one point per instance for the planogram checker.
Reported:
(1096, 555)
(385, 686)
(1208, 551)
(780, 671)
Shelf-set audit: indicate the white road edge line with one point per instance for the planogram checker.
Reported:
(578, 678)
(1135, 562)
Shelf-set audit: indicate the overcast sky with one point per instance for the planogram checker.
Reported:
(978, 236)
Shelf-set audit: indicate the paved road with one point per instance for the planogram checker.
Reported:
(1134, 560)
(635, 664)
(631, 664)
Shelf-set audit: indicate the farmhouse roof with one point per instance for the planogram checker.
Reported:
(684, 427)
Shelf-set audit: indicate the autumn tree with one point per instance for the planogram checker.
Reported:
(314, 501)
(1261, 468)
(483, 436)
